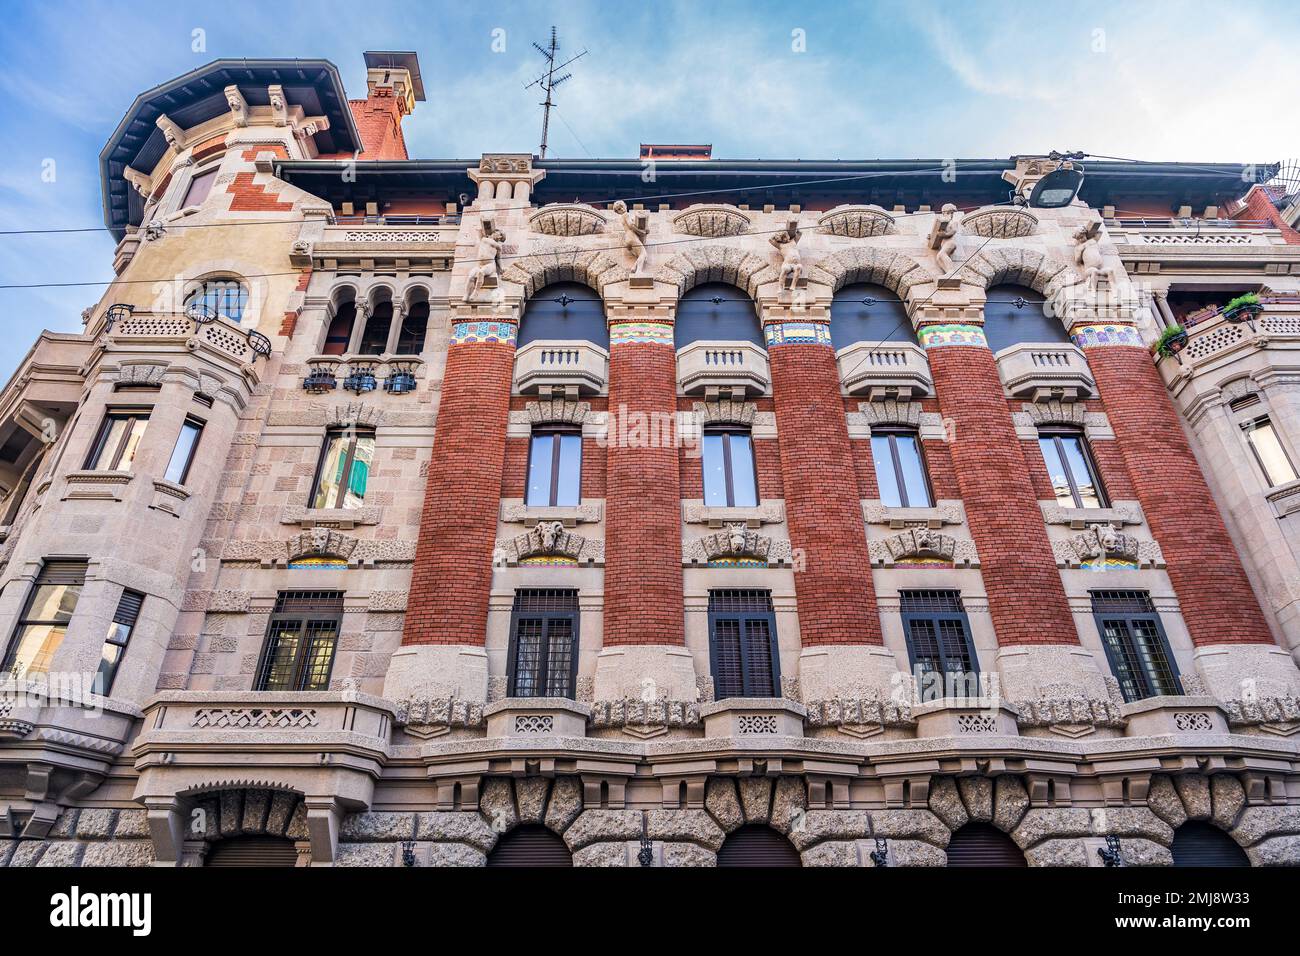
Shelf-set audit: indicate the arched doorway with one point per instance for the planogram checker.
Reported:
(530, 845)
(757, 845)
(1203, 844)
(246, 851)
(982, 844)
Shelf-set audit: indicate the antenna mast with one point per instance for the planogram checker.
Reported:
(548, 81)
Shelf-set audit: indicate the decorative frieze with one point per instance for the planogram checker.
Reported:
(567, 219)
(955, 333)
(321, 542)
(1103, 547)
(724, 412)
(557, 410)
(797, 333)
(141, 374)
(890, 412)
(645, 718)
(433, 717)
(920, 543)
(859, 717)
(254, 718)
(1000, 222)
(551, 540)
(653, 333)
(1085, 336)
(469, 333)
(857, 222)
(711, 221)
(1069, 716)
(767, 512)
(1271, 715)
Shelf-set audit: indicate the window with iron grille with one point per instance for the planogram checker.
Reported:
(939, 642)
(115, 641)
(45, 618)
(900, 468)
(543, 656)
(300, 641)
(1135, 644)
(554, 467)
(742, 644)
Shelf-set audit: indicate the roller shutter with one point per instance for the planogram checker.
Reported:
(981, 844)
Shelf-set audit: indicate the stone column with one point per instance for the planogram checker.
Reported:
(359, 326)
(644, 642)
(442, 652)
(839, 623)
(1235, 649)
(1027, 603)
(395, 328)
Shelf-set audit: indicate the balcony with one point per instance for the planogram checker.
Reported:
(41, 395)
(706, 368)
(1193, 232)
(395, 374)
(885, 370)
(1043, 373)
(544, 365)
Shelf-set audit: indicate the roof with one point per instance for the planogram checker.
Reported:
(395, 60)
(199, 96)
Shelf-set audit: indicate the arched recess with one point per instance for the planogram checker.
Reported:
(1016, 315)
(415, 322)
(342, 319)
(982, 844)
(867, 312)
(592, 267)
(757, 845)
(1197, 843)
(530, 845)
(1045, 274)
(569, 311)
(701, 265)
(716, 312)
(374, 337)
(895, 271)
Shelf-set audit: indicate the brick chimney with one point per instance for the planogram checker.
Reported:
(393, 87)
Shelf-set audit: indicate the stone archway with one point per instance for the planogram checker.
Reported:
(567, 262)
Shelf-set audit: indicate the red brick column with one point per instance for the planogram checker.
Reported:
(835, 593)
(643, 508)
(1217, 601)
(453, 555)
(1026, 598)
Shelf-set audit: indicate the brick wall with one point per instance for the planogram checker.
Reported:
(1026, 598)
(1216, 598)
(453, 558)
(643, 537)
(836, 596)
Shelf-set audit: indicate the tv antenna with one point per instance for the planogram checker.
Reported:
(548, 81)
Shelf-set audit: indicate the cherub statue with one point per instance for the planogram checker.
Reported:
(1087, 256)
(635, 230)
(787, 243)
(489, 262)
(943, 235)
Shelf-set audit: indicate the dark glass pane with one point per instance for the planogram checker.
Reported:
(281, 656)
(569, 489)
(539, 470)
(743, 481)
(321, 639)
(374, 340)
(199, 188)
(528, 657)
(1151, 652)
(758, 658)
(410, 340)
(1124, 659)
(909, 456)
(559, 658)
(715, 472)
(727, 677)
(925, 646)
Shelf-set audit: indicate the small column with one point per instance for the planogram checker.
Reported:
(359, 326)
(395, 328)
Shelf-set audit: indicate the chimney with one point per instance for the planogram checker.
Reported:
(393, 87)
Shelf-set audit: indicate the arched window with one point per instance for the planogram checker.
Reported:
(1014, 315)
(245, 851)
(716, 312)
(223, 296)
(864, 312)
(757, 845)
(415, 323)
(568, 311)
(530, 845)
(982, 844)
(1203, 844)
(374, 340)
(339, 334)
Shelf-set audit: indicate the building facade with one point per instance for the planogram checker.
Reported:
(670, 511)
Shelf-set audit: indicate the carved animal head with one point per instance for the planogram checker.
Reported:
(320, 539)
(548, 533)
(736, 537)
(1108, 537)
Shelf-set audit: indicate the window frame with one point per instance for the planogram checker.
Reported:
(1142, 675)
(1248, 429)
(127, 615)
(519, 613)
(97, 447)
(892, 433)
(1056, 433)
(305, 619)
(51, 573)
(198, 424)
(356, 434)
(743, 618)
(210, 173)
(408, 315)
(200, 292)
(728, 470)
(556, 432)
(937, 618)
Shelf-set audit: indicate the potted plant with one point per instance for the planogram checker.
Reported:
(1243, 308)
(1172, 341)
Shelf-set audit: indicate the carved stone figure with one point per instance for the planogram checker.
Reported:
(943, 235)
(174, 135)
(489, 263)
(1087, 256)
(736, 537)
(548, 532)
(238, 105)
(279, 105)
(787, 243)
(635, 230)
(142, 183)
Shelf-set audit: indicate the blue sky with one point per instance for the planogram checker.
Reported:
(1159, 81)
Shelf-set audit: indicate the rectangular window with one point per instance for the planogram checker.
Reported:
(119, 635)
(742, 644)
(178, 468)
(729, 474)
(300, 641)
(543, 656)
(344, 469)
(1270, 454)
(1135, 644)
(1071, 469)
(200, 186)
(45, 618)
(900, 469)
(118, 440)
(554, 468)
(939, 642)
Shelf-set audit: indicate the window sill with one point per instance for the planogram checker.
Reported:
(1285, 498)
(169, 496)
(567, 515)
(97, 485)
(342, 518)
(767, 512)
(1079, 518)
(941, 514)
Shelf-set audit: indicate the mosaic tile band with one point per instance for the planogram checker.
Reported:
(933, 336)
(1090, 335)
(797, 333)
(654, 333)
(468, 333)
(1110, 564)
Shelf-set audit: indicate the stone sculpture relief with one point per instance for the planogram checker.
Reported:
(943, 236)
(488, 257)
(238, 105)
(636, 227)
(787, 244)
(174, 135)
(1087, 256)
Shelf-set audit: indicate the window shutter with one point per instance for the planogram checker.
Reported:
(1203, 844)
(128, 608)
(530, 845)
(757, 845)
(63, 572)
(981, 844)
(252, 851)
